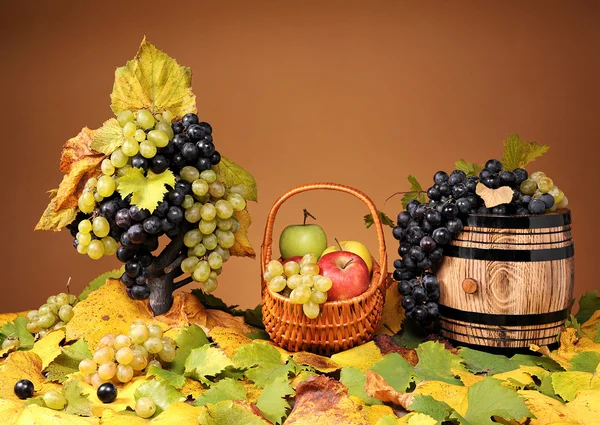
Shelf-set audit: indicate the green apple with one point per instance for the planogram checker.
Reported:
(301, 239)
(352, 246)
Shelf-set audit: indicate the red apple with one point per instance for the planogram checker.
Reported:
(296, 259)
(348, 272)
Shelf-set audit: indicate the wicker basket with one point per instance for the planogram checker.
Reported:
(341, 324)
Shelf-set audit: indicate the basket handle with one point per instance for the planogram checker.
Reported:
(266, 249)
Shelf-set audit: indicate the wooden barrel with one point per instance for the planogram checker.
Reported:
(507, 281)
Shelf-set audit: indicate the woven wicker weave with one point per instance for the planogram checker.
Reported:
(341, 324)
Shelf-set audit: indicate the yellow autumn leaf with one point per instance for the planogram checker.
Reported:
(147, 190)
(48, 347)
(494, 197)
(453, 395)
(568, 384)
(584, 410)
(53, 220)
(320, 363)
(110, 417)
(23, 365)
(523, 375)
(417, 419)
(375, 412)
(242, 246)
(570, 344)
(108, 138)
(231, 174)
(466, 377)
(178, 413)
(37, 415)
(362, 357)
(228, 340)
(193, 388)
(185, 310)
(125, 395)
(377, 387)
(586, 406)
(590, 328)
(10, 317)
(218, 318)
(10, 410)
(393, 312)
(155, 81)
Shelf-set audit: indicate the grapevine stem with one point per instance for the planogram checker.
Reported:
(404, 193)
(171, 267)
(183, 282)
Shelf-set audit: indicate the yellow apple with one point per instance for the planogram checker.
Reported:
(353, 246)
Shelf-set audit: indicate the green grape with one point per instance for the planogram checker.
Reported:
(201, 272)
(226, 239)
(167, 341)
(33, 327)
(167, 354)
(311, 310)
(309, 270)
(87, 366)
(240, 189)
(88, 198)
(189, 264)
(82, 249)
(84, 226)
(91, 183)
(268, 276)
(537, 176)
(209, 286)
(121, 341)
(308, 281)
(106, 341)
(129, 129)
(97, 197)
(101, 226)
(235, 227)
(224, 223)
(215, 261)
(73, 299)
(556, 193)
(216, 189)
(44, 309)
(155, 331)
(106, 186)
(300, 295)
(96, 381)
(139, 362)
(84, 238)
(84, 208)
(123, 169)
(55, 400)
(124, 355)
(193, 214)
(322, 283)
(192, 238)
(139, 333)
(61, 299)
(168, 116)
(95, 249)
(563, 203)
(188, 201)
(65, 313)
(318, 297)
(145, 407)
(131, 146)
(107, 371)
(209, 175)
(224, 209)
(107, 167)
(110, 245)
(210, 242)
(294, 281)
(277, 284)
(199, 250)
(145, 119)
(118, 158)
(207, 226)
(147, 149)
(291, 268)
(545, 184)
(237, 201)
(104, 355)
(166, 128)
(124, 117)
(124, 373)
(275, 268)
(202, 199)
(309, 258)
(58, 325)
(223, 252)
(528, 187)
(158, 117)
(11, 342)
(189, 173)
(140, 135)
(32, 315)
(153, 345)
(199, 187)
(46, 320)
(159, 138)
(208, 212)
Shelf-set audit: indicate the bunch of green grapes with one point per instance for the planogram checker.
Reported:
(301, 282)
(539, 184)
(120, 358)
(54, 314)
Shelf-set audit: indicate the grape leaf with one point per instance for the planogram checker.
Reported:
(242, 246)
(415, 192)
(99, 281)
(108, 138)
(588, 304)
(190, 337)
(160, 392)
(155, 81)
(469, 168)
(426, 404)
(494, 197)
(225, 389)
(232, 174)
(253, 317)
(529, 360)
(230, 412)
(479, 361)
(18, 328)
(396, 371)
(48, 347)
(263, 362)
(77, 402)
(68, 361)
(568, 384)
(436, 363)
(355, 381)
(205, 362)
(148, 191)
(23, 365)
(53, 220)
(518, 153)
(272, 402)
(388, 420)
(385, 220)
(586, 361)
(362, 356)
(171, 378)
(489, 398)
(412, 335)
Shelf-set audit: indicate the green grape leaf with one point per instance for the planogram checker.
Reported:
(529, 360)
(396, 371)
(18, 328)
(39, 401)
(55, 220)
(211, 302)
(225, 389)
(160, 392)
(190, 337)
(354, 379)
(205, 362)
(77, 401)
(489, 398)
(231, 413)
(415, 192)
(148, 191)
(232, 174)
(546, 387)
(272, 402)
(428, 405)
(469, 168)
(108, 138)
(568, 384)
(518, 153)
(589, 303)
(263, 362)
(67, 361)
(100, 281)
(388, 420)
(412, 335)
(155, 81)
(253, 317)
(435, 363)
(481, 362)
(171, 378)
(385, 220)
(586, 361)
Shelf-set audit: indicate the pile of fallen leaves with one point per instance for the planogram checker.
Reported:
(227, 372)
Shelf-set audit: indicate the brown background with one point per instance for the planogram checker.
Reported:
(361, 93)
